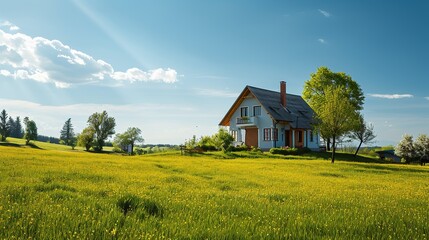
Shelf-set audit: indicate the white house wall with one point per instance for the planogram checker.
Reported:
(264, 120)
(315, 144)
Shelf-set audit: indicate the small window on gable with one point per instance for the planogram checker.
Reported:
(244, 111)
(256, 110)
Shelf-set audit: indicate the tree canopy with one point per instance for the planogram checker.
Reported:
(315, 90)
(30, 130)
(413, 150)
(421, 146)
(324, 77)
(16, 130)
(86, 138)
(405, 148)
(335, 114)
(103, 126)
(130, 137)
(67, 133)
(4, 125)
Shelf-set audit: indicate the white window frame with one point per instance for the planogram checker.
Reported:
(241, 111)
(260, 110)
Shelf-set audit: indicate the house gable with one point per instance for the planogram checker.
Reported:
(238, 103)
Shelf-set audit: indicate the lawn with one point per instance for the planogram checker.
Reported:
(54, 193)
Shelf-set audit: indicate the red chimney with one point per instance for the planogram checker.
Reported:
(283, 93)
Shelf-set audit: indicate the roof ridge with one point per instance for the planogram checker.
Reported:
(274, 91)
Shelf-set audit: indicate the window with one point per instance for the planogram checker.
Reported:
(311, 136)
(256, 110)
(271, 134)
(275, 134)
(299, 136)
(267, 134)
(234, 134)
(244, 111)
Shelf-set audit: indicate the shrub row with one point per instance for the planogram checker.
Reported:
(289, 151)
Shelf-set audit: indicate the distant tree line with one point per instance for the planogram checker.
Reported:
(100, 126)
(10, 127)
(48, 139)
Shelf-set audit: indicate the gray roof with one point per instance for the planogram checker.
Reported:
(297, 111)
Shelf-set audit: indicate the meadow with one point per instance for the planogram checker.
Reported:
(52, 192)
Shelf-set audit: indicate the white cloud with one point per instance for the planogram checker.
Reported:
(9, 25)
(215, 93)
(324, 13)
(14, 28)
(391, 96)
(134, 74)
(321, 40)
(427, 98)
(51, 61)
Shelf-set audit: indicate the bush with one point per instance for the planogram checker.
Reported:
(289, 151)
(117, 149)
(139, 151)
(222, 139)
(206, 144)
(206, 148)
(255, 149)
(240, 148)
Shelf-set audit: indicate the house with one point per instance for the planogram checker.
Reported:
(267, 119)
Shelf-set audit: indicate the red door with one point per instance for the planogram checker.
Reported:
(251, 138)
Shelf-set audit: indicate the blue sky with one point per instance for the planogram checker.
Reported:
(173, 68)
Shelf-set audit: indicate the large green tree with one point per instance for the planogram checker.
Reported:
(4, 125)
(86, 138)
(30, 130)
(67, 133)
(364, 133)
(103, 126)
(132, 136)
(315, 88)
(335, 115)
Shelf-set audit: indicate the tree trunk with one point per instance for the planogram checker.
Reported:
(357, 150)
(100, 144)
(132, 148)
(328, 144)
(333, 149)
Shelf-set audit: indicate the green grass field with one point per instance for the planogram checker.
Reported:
(51, 192)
